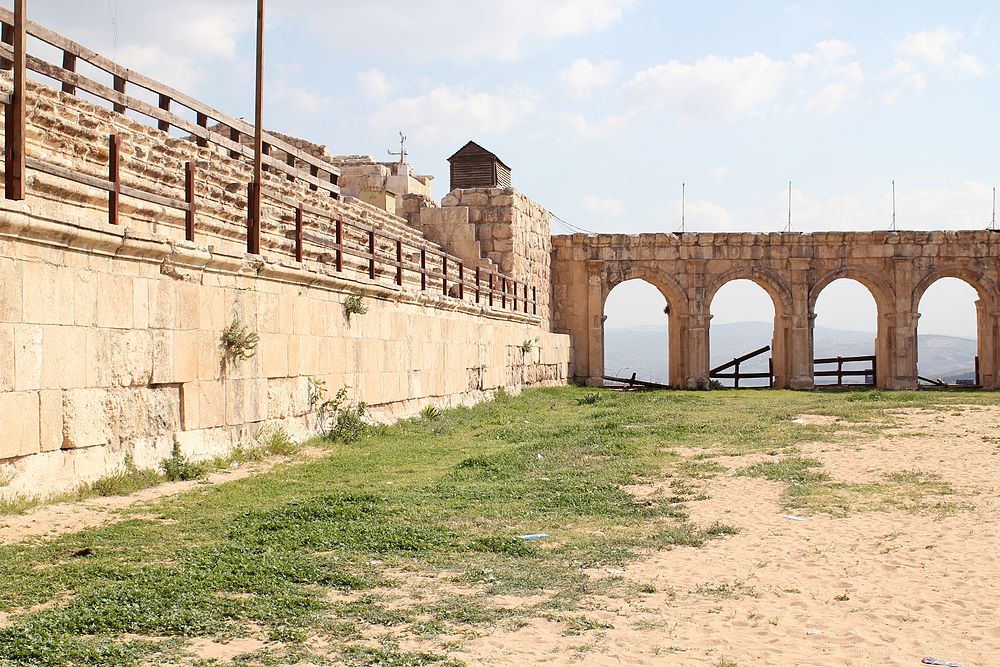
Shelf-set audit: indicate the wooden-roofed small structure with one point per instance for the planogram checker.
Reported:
(475, 167)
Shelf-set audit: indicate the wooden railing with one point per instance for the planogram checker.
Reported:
(867, 374)
(378, 254)
(297, 165)
(736, 375)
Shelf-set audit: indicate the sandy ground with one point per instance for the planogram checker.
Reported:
(871, 588)
(868, 588)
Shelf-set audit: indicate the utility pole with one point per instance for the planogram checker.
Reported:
(683, 226)
(253, 232)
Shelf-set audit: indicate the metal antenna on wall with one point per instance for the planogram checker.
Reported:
(893, 227)
(993, 223)
(788, 227)
(402, 151)
(683, 226)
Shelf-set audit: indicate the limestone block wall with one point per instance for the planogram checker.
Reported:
(110, 344)
(511, 230)
(110, 336)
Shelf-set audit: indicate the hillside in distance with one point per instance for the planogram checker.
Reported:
(643, 350)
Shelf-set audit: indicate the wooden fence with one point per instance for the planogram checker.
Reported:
(867, 373)
(384, 256)
(736, 375)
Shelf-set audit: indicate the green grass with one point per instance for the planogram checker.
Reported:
(437, 497)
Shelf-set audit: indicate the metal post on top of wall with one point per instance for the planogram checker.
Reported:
(253, 226)
(14, 122)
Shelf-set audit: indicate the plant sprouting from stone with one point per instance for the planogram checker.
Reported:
(354, 305)
(239, 341)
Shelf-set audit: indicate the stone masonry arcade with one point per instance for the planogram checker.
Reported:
(689, 268)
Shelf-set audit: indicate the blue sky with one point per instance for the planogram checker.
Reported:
(602, 108)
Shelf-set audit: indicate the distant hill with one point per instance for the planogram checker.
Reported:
(643, 349)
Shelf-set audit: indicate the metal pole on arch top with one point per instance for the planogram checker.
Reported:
(253, 232)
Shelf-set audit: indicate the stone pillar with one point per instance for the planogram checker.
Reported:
(800, 327)
(903, 360)
(987, 332)
(678, 334)
(595, 322)
(699, 317)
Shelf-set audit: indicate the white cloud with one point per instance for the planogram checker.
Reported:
(374, 86)
(699, 216)
(713, 89)
(726, 90)
(451, 113)
(966, 207)
(909, 89)
(610, 206)
(923, 52)
(716, 175)
(445, 29)
(301, 99)
(609, 127)
(176, 43)
(582, 77)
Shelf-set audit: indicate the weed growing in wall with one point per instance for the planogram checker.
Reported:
(354, 305)
(240, 342)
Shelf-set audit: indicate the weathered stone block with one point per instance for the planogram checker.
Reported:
(27, 357)
(50, 422)
(211, 404)
(185, 356)
(6, 357)
(19, 434)
(188, 306)
(131, 357)
(163, 356)
(115, 297)
(85, 418)
(63, 364)
(47, 294)
(10, 290)
(273, 353)
(162, 304)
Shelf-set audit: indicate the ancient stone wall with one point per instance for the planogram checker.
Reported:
(793, 268)
(111, 336)
(500, 225)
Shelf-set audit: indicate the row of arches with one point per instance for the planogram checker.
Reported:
(743, 309)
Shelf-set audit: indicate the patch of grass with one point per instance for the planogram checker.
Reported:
(328, 545)
(124, 480)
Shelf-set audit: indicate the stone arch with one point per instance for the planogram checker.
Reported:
(987, 317)
(678, 318)
(984, 286)
(885, 316)
(776, 288)
(877, 285)
(781, 298)
(667, 284)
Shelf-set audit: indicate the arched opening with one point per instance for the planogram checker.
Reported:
(742, 322)
(636, 334)
(947, 345)
(846, 326)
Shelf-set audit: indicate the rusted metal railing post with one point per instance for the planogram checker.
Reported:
(461, 280)
(399, 262)
(14, 122)
(253, 218)
(114, 162)
(298, 233)
(340, 244)
(371, 252)
(444, 275)
(189, 170)
(164, 104)
(477, 284)
(423, 268)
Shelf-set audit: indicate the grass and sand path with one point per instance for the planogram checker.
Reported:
(405, 547)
